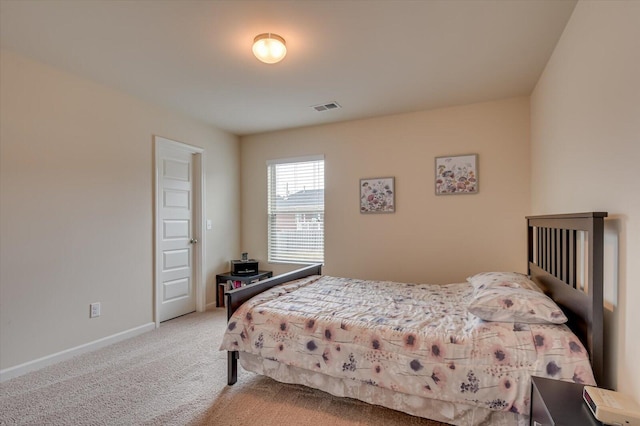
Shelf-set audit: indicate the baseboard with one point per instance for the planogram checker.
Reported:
(18, 370)
(210, 306)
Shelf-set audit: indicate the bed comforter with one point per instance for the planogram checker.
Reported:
(415, 339)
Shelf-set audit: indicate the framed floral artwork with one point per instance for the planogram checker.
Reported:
(457, 174)
(377, 195)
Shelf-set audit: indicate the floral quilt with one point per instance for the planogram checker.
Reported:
(416, 339)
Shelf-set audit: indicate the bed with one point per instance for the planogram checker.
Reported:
(459, 353)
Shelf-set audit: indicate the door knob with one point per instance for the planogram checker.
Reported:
(193, 241)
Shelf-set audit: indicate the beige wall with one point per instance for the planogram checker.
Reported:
(77, 211)
(586, 153)
(430, 238)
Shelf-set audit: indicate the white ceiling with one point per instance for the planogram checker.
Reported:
(373, 57)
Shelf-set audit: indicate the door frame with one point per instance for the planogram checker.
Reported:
(198, 210)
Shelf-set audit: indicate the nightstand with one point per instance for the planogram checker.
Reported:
(554, 402)
(221, 281)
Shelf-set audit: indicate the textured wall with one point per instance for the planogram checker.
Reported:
(77, 207)
(430, 238)
(585, 150)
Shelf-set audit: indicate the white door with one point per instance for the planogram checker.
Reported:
(176, 231)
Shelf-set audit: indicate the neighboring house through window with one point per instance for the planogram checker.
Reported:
(296, 210)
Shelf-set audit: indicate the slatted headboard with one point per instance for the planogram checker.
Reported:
(566, 260)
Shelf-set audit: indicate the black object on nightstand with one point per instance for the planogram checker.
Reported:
(558, 403)
(221, 281)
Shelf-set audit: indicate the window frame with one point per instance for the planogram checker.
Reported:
(275, 252)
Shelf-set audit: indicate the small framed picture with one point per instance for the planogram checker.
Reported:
(457, 174)
(377, 195)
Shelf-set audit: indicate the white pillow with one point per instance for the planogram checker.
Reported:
(502, 279)
(504, 304)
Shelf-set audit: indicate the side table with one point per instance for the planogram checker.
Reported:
(554, 402)
(221, 282)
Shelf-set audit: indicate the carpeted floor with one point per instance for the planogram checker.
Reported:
(175, 375)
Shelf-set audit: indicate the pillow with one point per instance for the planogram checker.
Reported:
(502, 279)
(504, 304)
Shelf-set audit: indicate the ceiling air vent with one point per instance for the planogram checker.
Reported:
(326, 107)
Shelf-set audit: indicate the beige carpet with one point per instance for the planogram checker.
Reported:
(175, 376)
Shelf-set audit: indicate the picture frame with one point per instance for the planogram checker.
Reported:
(377, 195)
(456, 174)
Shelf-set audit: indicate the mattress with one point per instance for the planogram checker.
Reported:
(412, 339)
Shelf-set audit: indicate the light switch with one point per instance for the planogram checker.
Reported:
(208, 224)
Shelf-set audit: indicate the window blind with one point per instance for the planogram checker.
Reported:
(296, 210)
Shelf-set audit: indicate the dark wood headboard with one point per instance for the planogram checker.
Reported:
(566, 260)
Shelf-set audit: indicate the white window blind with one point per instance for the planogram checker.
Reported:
(296, 210)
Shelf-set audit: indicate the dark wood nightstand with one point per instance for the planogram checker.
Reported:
(554, 402)
(221, 281)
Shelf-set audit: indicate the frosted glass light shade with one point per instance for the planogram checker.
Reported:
(269, 48)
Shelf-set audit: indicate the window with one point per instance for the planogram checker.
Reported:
(296, 210)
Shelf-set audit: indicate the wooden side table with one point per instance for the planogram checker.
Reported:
(554, 402)
(221, 282)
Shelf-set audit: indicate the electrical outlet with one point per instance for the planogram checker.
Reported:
(94, 310)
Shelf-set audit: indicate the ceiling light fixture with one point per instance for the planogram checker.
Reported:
(269, 48)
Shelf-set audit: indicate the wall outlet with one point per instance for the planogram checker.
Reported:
(94, 310)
